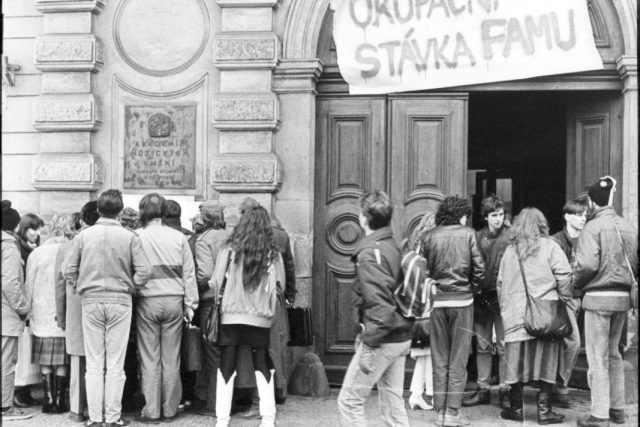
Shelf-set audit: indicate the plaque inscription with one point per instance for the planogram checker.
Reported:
(159, 147)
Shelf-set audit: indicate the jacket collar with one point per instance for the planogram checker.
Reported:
(379, 234)
(487, 233)
(108, 221)
(604, 211)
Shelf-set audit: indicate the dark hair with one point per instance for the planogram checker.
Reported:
(27, 222)
(253, 242)
(173, 209)
(377, 208)
(76, 217)
(152, 206)
(528, 227)
(110, 203)
(491, 204)
(451, 210)
(89, 212)
(573, 207)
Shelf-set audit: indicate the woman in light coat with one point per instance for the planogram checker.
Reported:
(548, 275)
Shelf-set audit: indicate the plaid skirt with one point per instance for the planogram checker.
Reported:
(49, 351)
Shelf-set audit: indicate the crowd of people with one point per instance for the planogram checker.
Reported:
(127, 284)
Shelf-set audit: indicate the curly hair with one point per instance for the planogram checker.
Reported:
(451, 210)
(491, 204)
(253, 240)
(528, 228)
(427, 223)
(62, 226)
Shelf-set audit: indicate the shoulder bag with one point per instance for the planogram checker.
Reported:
(633, 292)
(212, 328)
(544, 319)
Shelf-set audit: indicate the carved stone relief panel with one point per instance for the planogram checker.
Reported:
(66, 172)
(67, 112)
(246, 172)
(74, 52)
(161, 37)
(243, 111)
(239, 50)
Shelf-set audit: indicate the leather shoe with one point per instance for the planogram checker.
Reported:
(143, 419)
(561, 400)
(592, 421)
(480, 397)
(617, 416)
(76, 418)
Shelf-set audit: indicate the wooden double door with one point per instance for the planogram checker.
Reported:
(412, 147)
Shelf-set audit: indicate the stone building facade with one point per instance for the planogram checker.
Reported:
(237, 98)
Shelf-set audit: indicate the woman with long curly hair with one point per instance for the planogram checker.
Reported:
(253, 268)
(548, 275)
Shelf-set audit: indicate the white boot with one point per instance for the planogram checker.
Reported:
(267, 399)
(224, 397)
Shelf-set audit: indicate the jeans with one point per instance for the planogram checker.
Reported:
(106, 332)
(569, 350)
(159, 329)
(450, 337)
(606, 372)
(484, 356)
(388, 374)
(77, 386)
(9, 360)
(205, 388)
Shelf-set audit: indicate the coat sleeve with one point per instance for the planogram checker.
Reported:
(189, 276)
(375, 289)
(141, 269)
(477, 265)
(72, 262)
(204, 262)
(61, 288)
(219, 270)
(562, 271)
(11, 285)
(289, 273)
(587, 257)
(30, 279)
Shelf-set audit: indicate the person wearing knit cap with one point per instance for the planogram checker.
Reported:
(15, 308)
(130, 218)
(606, 268)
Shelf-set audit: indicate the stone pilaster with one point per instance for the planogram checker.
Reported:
(246, 109)
(66, 112)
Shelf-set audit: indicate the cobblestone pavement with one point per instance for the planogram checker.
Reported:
(312, 412)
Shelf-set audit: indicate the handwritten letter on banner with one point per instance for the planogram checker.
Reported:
(401, 45)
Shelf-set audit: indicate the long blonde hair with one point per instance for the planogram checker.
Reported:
(528, 228)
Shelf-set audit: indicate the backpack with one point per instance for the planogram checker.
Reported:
(413, 294)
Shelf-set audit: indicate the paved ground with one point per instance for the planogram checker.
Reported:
(312, 412)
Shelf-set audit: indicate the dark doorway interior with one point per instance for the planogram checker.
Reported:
(517, 149)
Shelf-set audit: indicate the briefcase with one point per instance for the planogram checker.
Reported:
(300, 329)
(191, 348)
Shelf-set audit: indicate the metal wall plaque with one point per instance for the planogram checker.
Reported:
(160, 147)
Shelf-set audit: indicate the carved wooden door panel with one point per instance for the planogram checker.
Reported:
(412, 147)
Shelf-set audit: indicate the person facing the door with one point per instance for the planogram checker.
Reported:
(384, 338)
(455, 263)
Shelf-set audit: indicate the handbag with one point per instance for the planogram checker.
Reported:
(191, 350)
(633, 292)
(544, 319)
(212, 328)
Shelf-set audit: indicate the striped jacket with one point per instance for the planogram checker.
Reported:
(171, 262)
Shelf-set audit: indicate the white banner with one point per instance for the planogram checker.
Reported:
(402, 45)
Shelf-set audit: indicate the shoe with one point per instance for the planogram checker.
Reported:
(187, 405)
(169, 419)
(181, 408)
(480, 397)
(561, 400)
(267, 403)
(503, 396)
(59, 401)
(94, 424)
(147, 420)
(76, 418)
(453, 418)
(22, 397)
(14, 414)
(592, 421)
(416, 400)
(48, 406)
(119, 423)
(439, 417)
(252, 413)
(224, 397)
(617, 416)
(545, 411)
(281, 396)
(514, 412)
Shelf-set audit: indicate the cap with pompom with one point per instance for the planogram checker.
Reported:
(601, 193)
(10, 216)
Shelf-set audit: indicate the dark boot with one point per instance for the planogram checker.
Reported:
(503, 396)
(545, 411)
(22, 397)
(59, 395)
(514, 413)
(47, 386)
(480, 397)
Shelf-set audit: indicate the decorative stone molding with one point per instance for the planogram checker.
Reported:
(248, 3)
(246, 173)
(628, 69)
(291, 75)
(72, 52)
(53, 6)
(245, 50)
(66, 171)
(67, 112)
(242, 111)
